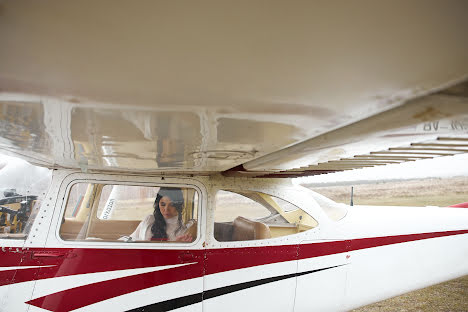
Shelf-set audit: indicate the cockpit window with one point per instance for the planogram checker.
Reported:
(130, 213)
(250, 215)
(22, 186)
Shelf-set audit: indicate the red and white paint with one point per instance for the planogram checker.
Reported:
(371, 254)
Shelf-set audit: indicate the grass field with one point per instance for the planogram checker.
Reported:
(427, 192)
(450, 296)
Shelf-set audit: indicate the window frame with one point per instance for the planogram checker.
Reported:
(132, 180)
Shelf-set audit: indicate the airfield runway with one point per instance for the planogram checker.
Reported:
(450, 296)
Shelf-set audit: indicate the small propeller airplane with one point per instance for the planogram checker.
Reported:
(173, 131)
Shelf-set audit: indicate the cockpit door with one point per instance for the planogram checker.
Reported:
(89, 264)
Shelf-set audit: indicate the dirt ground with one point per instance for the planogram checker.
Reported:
(446, 297)
(450, 296)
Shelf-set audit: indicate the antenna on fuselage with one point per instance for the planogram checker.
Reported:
(352, 194)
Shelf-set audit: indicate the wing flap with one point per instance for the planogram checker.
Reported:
(380, 158)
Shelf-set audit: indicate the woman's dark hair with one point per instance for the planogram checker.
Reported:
(159, 226)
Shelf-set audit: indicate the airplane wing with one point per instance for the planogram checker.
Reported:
(294, 88)
(431, 126)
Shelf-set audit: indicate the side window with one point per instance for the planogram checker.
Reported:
(129, 213)
(249, 215)
(22, 187)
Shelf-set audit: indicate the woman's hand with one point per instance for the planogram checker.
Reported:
(184, 238)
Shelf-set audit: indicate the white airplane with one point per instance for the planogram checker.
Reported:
(172, 131)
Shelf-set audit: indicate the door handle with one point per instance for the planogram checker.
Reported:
(45, 254)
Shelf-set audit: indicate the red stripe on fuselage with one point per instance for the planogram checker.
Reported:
(83, 261)
(9, 257)
(462, 205)
(78, 297)
(363, 243)
(334, 247)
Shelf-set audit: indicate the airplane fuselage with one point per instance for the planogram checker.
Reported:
(332, 257)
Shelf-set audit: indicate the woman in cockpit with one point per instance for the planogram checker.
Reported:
(165, 224)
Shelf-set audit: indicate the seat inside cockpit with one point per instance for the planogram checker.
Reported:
(241, 229)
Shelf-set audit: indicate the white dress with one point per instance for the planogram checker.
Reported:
(143, 230)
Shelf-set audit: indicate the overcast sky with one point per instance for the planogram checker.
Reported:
(437, 167)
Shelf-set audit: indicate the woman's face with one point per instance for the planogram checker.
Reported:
(167, 208)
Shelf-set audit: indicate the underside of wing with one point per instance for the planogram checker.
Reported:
(298, 88)
(431, 126)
